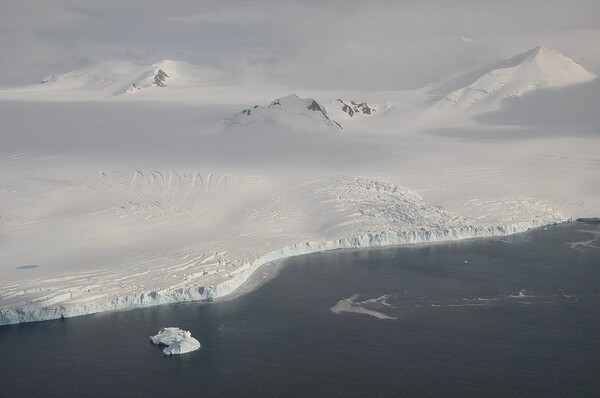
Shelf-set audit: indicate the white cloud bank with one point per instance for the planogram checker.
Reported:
(349, 44)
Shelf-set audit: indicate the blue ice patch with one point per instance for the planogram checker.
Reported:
(27, 266)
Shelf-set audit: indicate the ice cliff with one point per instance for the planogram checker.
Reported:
(209, 293)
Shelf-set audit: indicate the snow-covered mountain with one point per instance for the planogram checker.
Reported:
(157, 78)
(119, 77)
(348, 109)
(485, 88)
(291, 111)
(352, 108)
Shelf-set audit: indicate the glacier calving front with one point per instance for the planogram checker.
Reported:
(346, 213)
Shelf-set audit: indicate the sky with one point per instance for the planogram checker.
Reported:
(325, 44)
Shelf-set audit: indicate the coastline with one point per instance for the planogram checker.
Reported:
(227, 289)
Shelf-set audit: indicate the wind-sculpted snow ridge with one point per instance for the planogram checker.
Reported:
(228, 233)
(291, 111)
(512, 79)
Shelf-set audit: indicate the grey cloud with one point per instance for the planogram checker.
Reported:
(333, 44)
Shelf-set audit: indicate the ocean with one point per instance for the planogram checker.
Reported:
(516, 316)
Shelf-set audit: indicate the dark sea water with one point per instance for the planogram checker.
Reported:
(518, 316)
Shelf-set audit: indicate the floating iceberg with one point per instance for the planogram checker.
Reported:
(177, 341)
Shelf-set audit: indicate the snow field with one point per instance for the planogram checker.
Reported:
(128, 201)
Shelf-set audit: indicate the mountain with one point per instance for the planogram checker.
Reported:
(486, 88)
(292, 111)
(351, 109)
(119, 77)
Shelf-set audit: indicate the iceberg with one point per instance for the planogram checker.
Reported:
(177, 341)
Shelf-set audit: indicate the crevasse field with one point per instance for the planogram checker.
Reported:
(126, 185)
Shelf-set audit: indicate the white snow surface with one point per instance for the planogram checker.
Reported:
(130, 201)
(177, 341)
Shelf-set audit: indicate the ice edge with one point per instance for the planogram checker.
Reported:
(201, 293)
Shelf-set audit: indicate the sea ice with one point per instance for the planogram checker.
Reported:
(365, 307)
(177, 341)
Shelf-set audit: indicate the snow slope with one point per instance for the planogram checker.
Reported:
(486, 88)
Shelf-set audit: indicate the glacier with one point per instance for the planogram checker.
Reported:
(129, 201)
(153, 298)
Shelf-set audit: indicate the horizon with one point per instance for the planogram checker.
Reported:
(399, 45)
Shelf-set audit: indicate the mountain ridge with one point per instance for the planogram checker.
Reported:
(290, 110)
(512, 78)
(120, 77)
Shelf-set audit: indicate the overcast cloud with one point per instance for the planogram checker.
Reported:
(332, 44)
